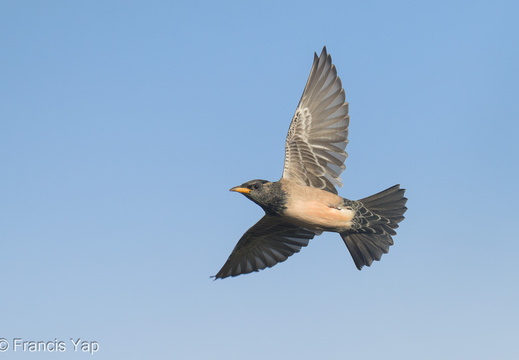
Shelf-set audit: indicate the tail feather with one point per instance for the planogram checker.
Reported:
(365, 249)
(375, 219)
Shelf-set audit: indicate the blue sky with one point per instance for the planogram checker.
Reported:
(124, 124)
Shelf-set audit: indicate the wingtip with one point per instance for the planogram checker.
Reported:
(324, 53)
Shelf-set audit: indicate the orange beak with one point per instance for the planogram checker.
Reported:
(241, 189)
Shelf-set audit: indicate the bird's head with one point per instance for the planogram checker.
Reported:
(265, 193)
(254, 189)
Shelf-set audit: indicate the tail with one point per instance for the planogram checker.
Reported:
(374, 222)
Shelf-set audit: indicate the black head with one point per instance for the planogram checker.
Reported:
(251, 189)
(266, 194)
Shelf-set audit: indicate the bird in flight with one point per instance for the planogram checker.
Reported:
(305, 202)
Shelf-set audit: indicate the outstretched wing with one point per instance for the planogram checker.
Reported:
(318, 134)
(268, 242)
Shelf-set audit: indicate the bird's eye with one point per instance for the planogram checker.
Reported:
(255, 187)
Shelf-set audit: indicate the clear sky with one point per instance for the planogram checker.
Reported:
(124, 123)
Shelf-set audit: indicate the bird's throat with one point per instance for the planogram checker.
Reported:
(274, 200)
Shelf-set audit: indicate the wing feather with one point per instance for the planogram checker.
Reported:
(268, 242)
(318, 134)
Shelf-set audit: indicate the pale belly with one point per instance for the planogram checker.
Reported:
(316, 215)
